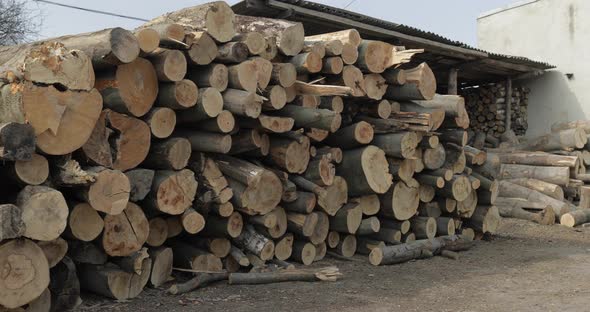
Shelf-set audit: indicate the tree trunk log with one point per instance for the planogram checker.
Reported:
(370, 164)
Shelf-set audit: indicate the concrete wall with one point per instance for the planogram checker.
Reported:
(554, 31)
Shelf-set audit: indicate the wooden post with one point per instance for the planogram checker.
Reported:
(452, 84)
(508, 103)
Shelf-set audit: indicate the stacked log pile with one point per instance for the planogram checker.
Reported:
(487, 106)
(207, 141)
(543, 179)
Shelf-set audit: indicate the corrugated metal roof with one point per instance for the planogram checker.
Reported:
(412, 31)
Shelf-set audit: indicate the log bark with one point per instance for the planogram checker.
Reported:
(571, 138)
(507, 189)
(48, 63)
(330, 199)
(283, 74)
(217, 18)
(545, 217)
(110, 281)
(574, 218)
(486, 219)
(169, 154)
(348, 219)
(355, 135)
(17, 141)
(424, 227)
(106, 48)
(367, 170)
(230, 227)
(347, 36)
(289, 35)
(26, 272)
(64, 288)
(546, 188)
(140, 181)
(369, 226)
(538, 159)
(255, 243)
(303, 252)
(11, 223)
(555, 175)
(311, 118)
(210, 76)
(418, 249)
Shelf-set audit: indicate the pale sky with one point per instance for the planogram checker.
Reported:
(454, 19)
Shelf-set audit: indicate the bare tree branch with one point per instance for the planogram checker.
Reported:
(18, 23)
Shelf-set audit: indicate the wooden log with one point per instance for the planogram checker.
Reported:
(302, 224)
(31, 172)
(130, 147)
(293, 156)
(555, 175)
(331, 198)
(254, 41)
(263, 71)
(54, 250)
(486, 219)
(84, 222)
(311, 118)
(209, 105)
(402, 144)
(283, 74)
(538, 159)
(60, 119)
(277, 98)
(369, 204)
(402, 169)
(187, 256)
(170, 65)
(466, 207)
(123, 93)
(349, 54)
(232, 52)
(355, 135)
(320, 171)
(369, 226)
(47, 63)
(353, 78)
(303, 252)
(255, 243)
(222, 123)
(544, 217)
(375, 86)
(161, 121)
(148, 40)
(400, 202)
(572, 138)
(507, 189)
(217, 18)
(458, 188)
(574, 218)
(108, 47)
(434, 158)
(418, 249)
(284, 247)
(424, 227)
(374, 56)
(332, 65)
(242, 103)
(177, 95)
(44, 212)
(367, 170)
(26, 273)
(229, 227)
(162, 258)
(210, 76)
(126, 232)
(584, 198)
(395, 76)
(350, 36)
(17, 141)
(11, 223)
(170, 34)
(347, 219)
(170, 154)
(326, 274)
(289, 35)
(172, 192)
(63, 293)
(546, 188)
(255, 198)
(346, 246)
(140, 181)
(206, 141)
(420, 85)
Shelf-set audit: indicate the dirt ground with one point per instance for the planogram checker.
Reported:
(526, 267)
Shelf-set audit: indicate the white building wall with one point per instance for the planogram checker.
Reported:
(554, 31)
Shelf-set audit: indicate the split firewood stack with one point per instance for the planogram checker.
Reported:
(206, 141)
(487, 106)
(543, 179)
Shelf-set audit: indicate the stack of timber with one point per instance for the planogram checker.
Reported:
(488, 105)
(543, 179)
(206, 141)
